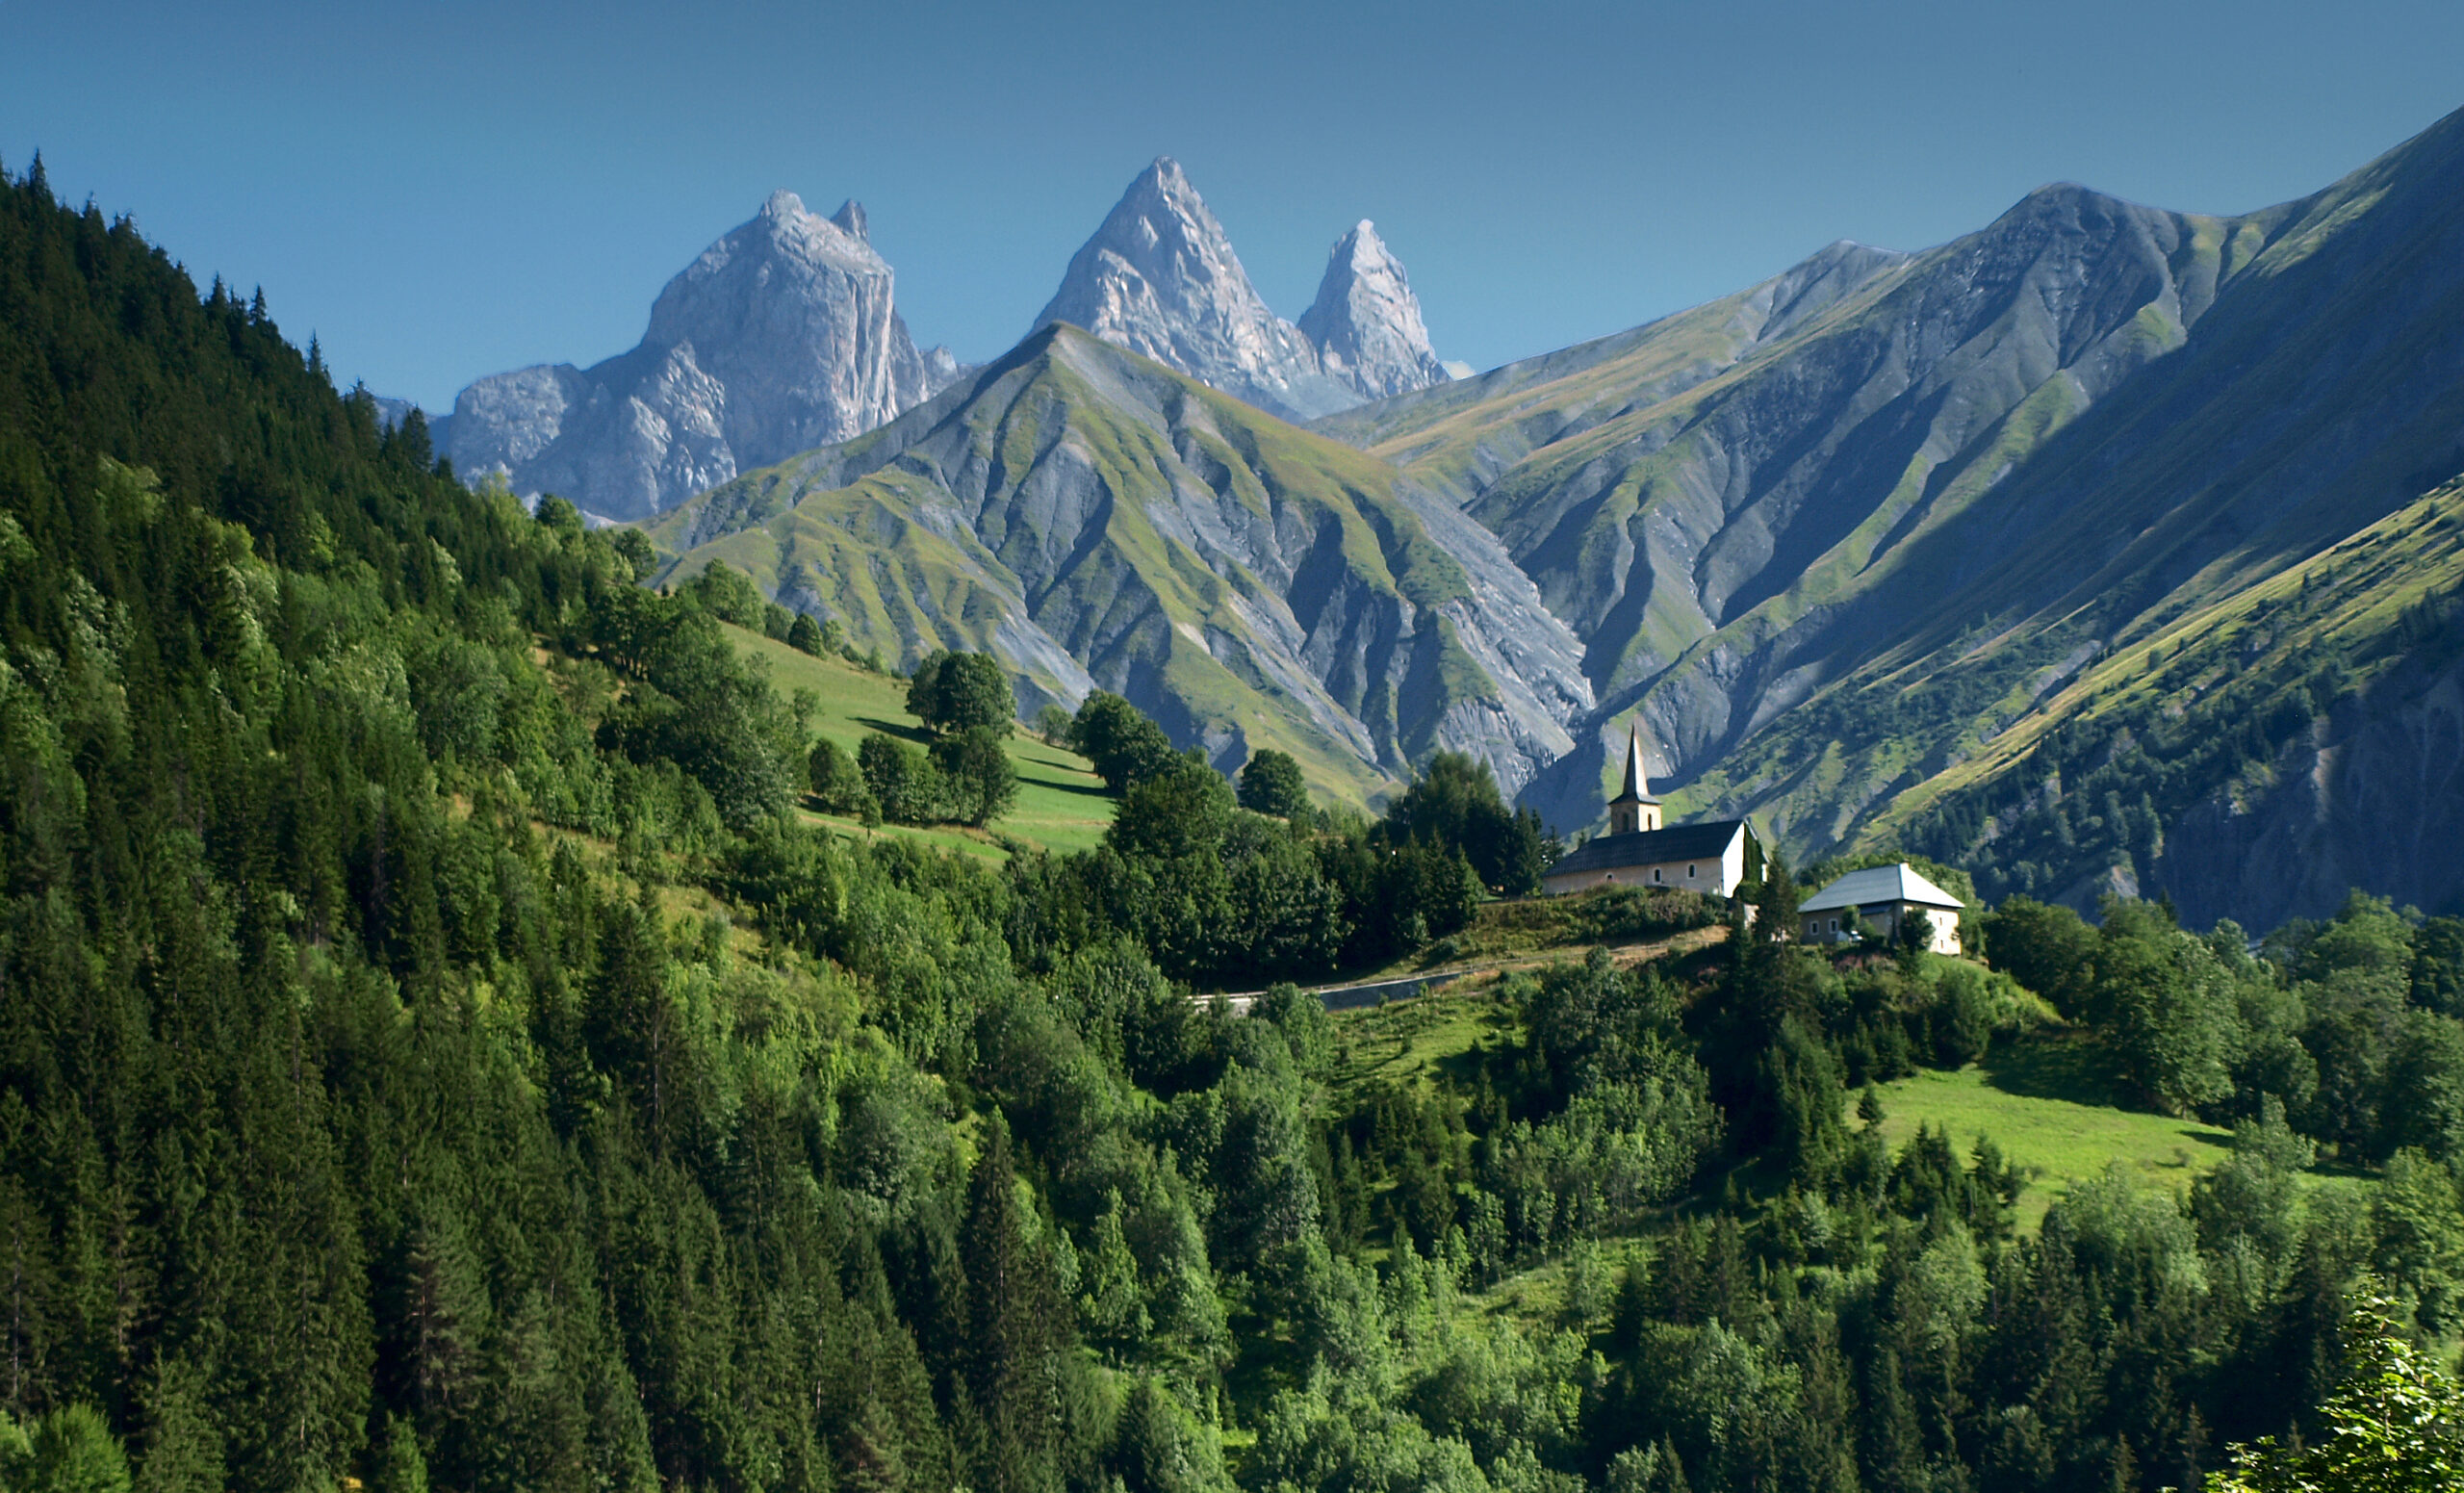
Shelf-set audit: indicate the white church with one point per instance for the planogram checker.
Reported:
(1716, 856)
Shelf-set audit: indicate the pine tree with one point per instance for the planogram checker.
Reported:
(1020, 1328)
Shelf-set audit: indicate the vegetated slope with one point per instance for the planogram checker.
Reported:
(432, 1054)
(1962, 470)
(1096, 519)
(2289, 439)
(1062, 805)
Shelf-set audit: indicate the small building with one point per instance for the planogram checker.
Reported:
(1882, 898)
(1714, 856)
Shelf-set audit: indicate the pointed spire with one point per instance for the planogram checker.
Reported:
(1633, 786)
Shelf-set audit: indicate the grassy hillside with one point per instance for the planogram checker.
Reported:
(1062, 805)
(2050, 1120)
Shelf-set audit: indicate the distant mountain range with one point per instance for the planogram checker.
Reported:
(783, 335)
(1160, 278)
(1878, 548)
(1882, 548)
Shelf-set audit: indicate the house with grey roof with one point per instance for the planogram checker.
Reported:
(1716, 856)
(1875, 903)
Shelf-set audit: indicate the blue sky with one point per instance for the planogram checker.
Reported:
(444, 189)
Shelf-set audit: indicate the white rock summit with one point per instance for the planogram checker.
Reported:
(781, 337)
(1365, 322)
(1160, 279)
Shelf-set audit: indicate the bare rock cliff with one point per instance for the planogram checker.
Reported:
(780, 337)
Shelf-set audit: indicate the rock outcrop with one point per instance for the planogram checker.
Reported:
(1160, 278)
(1366, 322)
(781, 335)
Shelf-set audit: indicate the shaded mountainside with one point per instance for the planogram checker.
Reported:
(1096, 519)
(781, 335)
(1830, 534)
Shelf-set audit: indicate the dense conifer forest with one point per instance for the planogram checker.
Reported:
(434, 1054)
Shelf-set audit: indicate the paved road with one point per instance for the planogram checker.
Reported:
(1350, 997)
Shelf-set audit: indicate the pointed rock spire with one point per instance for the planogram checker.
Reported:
(851, 220)
(1365, 322)
(1160, 279)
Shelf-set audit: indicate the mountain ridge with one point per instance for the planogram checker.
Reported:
(1827, 535)
(1074, 500)
(2155, 411)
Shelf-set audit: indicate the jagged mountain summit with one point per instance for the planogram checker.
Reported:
(1097, 518)
(1366, 322)
(780, 337)
(1160, 279)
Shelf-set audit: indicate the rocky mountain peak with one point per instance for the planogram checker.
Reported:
(1160, 277)
(1365, 322)
(779, 337)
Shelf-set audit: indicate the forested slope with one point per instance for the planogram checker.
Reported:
(434, 1054)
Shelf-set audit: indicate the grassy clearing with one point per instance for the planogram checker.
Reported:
(1062, 805)
(2041, 1103)
(1409, 1042)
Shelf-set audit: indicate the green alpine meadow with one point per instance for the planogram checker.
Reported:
(1852, 889)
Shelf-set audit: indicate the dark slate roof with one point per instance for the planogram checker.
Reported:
(1651, 848)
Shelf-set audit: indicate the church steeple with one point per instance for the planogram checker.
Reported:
(1633, 808)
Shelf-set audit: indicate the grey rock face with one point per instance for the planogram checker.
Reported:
(1160, 278)
(780, 337)
(1717, 523)
(1365, 322)
(2374, 797)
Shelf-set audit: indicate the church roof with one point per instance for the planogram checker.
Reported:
(1632, 788)
(1879, 884)
(1651, 848)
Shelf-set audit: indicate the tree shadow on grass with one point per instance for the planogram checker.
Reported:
(915, 734)
(2055, 1066)
(1064, 786)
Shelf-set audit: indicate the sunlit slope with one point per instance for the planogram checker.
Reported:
(1100, 520)
(1062, 805)
(2252, 756)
